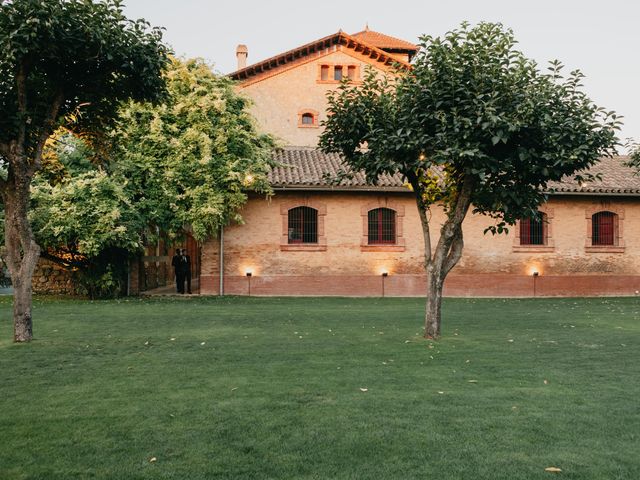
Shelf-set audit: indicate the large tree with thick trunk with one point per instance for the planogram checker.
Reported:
(474, 125)
(61, 62)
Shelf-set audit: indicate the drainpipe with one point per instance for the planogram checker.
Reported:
(221, 257)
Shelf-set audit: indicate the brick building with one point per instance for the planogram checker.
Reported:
(315, 238)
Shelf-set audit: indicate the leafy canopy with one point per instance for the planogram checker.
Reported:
(66, 57)
(187, 162)
(475, 111)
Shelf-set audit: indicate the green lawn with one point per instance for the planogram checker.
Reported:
(252, 388)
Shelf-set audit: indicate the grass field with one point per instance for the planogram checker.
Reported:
(253, 388)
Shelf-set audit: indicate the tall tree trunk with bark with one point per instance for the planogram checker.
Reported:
(447, 253)
(22, 250)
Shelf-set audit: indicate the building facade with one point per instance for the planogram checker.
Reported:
(316, 238)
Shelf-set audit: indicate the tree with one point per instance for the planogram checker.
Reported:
(634, 153)
(186, 163)
(189, 161)
(474, 124)
(58, 58)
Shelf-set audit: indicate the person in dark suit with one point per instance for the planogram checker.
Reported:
(186, 269)
(176, 263)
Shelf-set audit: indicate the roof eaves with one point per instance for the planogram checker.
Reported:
(335, 39)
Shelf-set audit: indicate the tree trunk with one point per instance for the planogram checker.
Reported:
(22, 251)
(435, 282)
(446, 255)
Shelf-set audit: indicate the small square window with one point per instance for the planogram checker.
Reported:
(324, 72)
(307, 119)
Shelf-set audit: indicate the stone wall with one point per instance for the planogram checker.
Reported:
(50, 278)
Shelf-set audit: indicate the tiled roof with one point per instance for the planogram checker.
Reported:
(384, 42)
(615, 178)
(307, 167)
(318, 46)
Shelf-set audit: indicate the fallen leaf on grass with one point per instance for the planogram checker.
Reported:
(546, 382)
(552, 469)
(472, 381)
(364, 389)
(440, 393)
(234, 389)
(202, 343)
(153, 459)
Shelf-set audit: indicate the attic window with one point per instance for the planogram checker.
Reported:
(351, 72)
(308, 118)
(324, 72)
(337, 72)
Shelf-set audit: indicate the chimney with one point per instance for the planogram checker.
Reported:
(242, 52)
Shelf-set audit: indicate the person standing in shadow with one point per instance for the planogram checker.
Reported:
(186, 269)
(176, 263)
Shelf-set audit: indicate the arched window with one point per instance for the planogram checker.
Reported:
(382, 226)
(307, 118)
(533, 231)
(303, 225)
(604, 228)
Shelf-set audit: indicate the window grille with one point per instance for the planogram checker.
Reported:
(603, 226)
(303, 225)
(382, 226)
(307, 118)
(533, 230)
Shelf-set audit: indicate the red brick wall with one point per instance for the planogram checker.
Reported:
(490, 266)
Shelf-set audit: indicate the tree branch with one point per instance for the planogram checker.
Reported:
(422, 212)
(67, 264)
(21, 90)
(47, 131)
(453, 226)
(455, 252)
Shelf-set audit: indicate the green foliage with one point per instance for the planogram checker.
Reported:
(84, 56)
(634, 154)
(104, 275)
(185, 164)
(473, 110)
(86, 214)
(189, 161)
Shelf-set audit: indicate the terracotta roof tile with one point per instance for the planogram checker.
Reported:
(615, 178)
(307, 167)
(383, 41)
(323, 44)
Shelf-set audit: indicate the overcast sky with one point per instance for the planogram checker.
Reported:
(601, 38)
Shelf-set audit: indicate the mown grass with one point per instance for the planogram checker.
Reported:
(253, 388)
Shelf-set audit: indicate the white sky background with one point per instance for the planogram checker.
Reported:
(601, 38)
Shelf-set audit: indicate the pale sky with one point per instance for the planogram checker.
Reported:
(601, 38)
